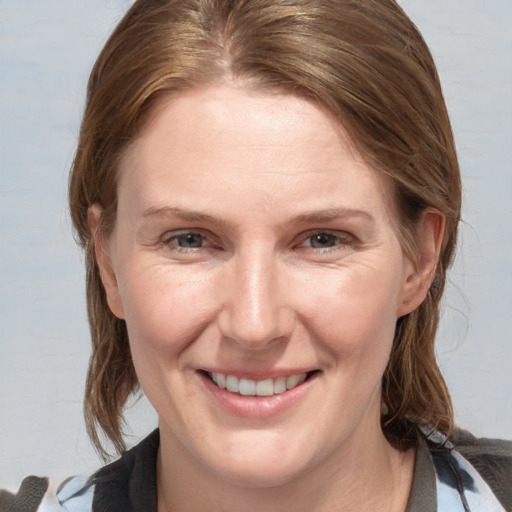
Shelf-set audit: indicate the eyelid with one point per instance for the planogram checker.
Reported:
(344, 239)
(343, 236)
(169, 236)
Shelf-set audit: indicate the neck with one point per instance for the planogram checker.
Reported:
(365, 474)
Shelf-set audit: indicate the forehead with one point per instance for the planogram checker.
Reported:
(273, 147)
(215, 112)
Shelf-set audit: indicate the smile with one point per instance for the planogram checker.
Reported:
(248, 387)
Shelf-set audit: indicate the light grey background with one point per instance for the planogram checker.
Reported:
(46, 51)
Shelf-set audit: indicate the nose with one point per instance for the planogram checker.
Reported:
(256, 312)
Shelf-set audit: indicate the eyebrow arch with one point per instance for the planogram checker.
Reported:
(187, 215)
(327, 215)
(331, 214)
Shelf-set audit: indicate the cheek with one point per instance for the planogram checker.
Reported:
(353, 310)
(165, 310)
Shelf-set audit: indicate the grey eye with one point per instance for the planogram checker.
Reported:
(323, 240)
(189, 240)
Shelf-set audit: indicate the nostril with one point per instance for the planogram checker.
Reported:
(256, 328)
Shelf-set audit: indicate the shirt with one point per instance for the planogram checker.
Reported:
(444, 480)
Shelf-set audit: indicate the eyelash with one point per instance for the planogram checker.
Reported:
(340, 240)
(169, 238)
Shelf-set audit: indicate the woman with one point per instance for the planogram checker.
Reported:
(268, 196)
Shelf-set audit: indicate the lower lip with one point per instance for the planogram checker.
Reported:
(255, 406)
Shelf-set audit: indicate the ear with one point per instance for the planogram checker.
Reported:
(421, 272)
(104, 261)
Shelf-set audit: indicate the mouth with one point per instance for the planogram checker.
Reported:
(265, 388)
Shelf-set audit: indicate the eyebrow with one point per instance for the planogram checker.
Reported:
(327, 215)
(187, 215)
(331, 214)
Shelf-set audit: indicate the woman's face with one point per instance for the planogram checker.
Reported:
(255, 248)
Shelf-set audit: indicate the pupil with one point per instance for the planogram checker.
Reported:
(191, 240)
(323, 240)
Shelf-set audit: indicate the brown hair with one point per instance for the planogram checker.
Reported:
(362, 60)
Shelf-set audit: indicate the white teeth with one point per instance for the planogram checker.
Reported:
(294, 380)
(265, 387)
(280, 385)
(248, 387)
(221, 380)
(232, 384)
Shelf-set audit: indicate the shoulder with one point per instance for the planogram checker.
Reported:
(75, 494)
(127, 484)
(492, 458)
(464, 471)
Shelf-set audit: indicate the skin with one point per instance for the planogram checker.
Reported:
(252, 238)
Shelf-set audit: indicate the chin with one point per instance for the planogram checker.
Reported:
(257, 473)
(263, 460)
